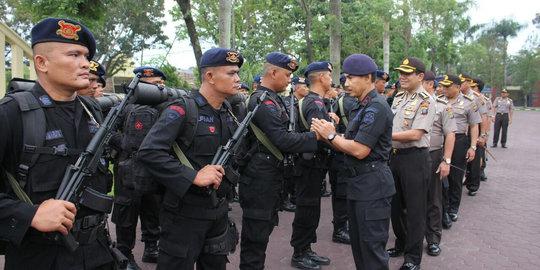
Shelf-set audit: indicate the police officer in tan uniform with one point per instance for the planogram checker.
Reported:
(467, 115)
(478, 85)
(414, 112)
(441, 146)
(502, 108)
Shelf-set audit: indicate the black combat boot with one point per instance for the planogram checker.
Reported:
(302, 260)
(325, 192)
(286, 205)
(132, 264)
(316, 258)
(151, 252)
(341, 233)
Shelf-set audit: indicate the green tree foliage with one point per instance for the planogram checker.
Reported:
(121, 27)
(524, 68)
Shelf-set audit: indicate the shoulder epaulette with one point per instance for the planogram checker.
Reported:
(476, 93)
(423, 95)
(444, 101)
(468, 97)
(440, 96)
(399, 94)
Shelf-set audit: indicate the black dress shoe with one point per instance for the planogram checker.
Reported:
(409, 266)
(316, 258)
(132, 264)
(302, 261)
(472, 193)
(494, 145)
(446, 221)
(433, 249)
(453, 216)
(326, 193)
(394, 252)
(503, 145)
(151, 252)
(341, 235)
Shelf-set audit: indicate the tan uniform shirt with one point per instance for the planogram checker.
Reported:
(503, 105)
(444, 123)
(480, 102)
(489, 106)
(465, 112)
(413, 111)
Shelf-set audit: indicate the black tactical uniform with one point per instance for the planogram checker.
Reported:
(261, 181)
(336, 177)
(129, 204)
(370, 185)
(313, 167)
(187, 216)
(68, 126)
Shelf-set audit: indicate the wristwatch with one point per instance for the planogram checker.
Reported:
(332, 136)
(473, 147)
(447, 160)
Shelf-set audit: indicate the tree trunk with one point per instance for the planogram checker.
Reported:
(307, 30)
(504, 59)
(386, 46)
(185, 7)
(335, 38)
(225, 10)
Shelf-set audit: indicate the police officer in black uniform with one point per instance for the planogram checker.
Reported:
(129, 204)
(261, 180)
(366, 143)
(193, 229)
(96, 71)
(62, 49)
(313, 167)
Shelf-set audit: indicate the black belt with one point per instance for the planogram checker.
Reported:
(404, 151)
(202, 200)
(87, 229)
(502, 113)
(366, 167)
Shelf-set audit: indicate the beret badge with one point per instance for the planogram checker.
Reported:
(293, 65)
(68, 30)
(93, 66)
(232, 57)
(148, 72)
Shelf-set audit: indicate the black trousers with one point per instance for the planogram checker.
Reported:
(457, 171)
(411, 171)
(259, 189)
(308, 207)
(183, 234)
(501, 121)
(434, 205)
(368, 229)
(339, 193)
(474, 169)
(126, 214)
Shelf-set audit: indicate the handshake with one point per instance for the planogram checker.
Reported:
(324, 128)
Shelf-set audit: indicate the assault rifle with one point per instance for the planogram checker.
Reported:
(224, 153)
(72, 189)
(288, 161)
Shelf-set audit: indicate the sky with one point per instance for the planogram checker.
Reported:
(485, 11)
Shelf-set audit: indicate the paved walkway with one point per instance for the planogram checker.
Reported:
(497, 229)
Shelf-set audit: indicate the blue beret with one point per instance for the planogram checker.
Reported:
(216, 57)
(282, 60)
(150, 72)
(342, 79)
(244, 86)
(382, 75)
(101, 80)
(389, 85)
(64, 30)
(257, 79)
(96, 68)
(318, 66)
(359, 64)
(300, 80)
